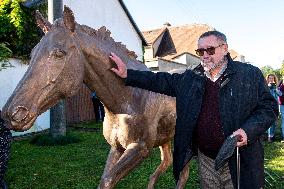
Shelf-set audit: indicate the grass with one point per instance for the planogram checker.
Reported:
(80, 165)
(48, 140)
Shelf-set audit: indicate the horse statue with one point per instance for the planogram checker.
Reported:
(136, 120)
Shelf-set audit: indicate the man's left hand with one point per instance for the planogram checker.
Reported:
(243, 137)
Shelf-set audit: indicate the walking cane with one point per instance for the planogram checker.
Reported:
(238, 167)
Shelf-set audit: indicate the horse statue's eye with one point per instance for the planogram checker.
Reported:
(58, 53)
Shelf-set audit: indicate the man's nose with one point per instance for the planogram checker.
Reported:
(205, 55)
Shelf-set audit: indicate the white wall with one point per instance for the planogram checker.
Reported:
(152, 64)
(181, 59)
(148, 53)
(109, 13)
(9, 79)
(187, 59)
(192, 61)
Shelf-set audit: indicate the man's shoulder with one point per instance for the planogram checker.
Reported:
(243, 65)
(246, 68)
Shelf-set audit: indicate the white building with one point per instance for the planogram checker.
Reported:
(112, 14)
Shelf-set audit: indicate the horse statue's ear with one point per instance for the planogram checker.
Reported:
(68, 18)
(43, 23)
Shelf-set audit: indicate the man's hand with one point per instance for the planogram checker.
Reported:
(243, 137)
(121, 70)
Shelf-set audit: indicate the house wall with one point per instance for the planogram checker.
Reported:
(108, 13)
(9, 79)
(148, 53)
(181, 59)
(186, 61)
(240, 58)
(166, 66)
(192, 61)
(152, 65)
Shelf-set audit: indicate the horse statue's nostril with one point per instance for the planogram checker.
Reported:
(20, 113)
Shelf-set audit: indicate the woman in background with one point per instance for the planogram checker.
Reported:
(272, 82)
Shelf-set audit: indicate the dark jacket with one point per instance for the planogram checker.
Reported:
(245, 102)
(5, 140)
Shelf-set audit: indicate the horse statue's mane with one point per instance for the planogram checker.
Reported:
(104, 34)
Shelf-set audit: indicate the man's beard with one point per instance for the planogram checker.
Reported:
(211, 65)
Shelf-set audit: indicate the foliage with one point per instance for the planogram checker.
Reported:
(5, 53)
(269, 70)
(18, 27)
(80, 165)
(282, 69)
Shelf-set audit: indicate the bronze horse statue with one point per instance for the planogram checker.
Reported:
(136, 120)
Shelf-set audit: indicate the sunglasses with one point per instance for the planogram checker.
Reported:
(209, 50)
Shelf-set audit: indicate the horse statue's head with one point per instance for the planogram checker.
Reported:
(55, 71)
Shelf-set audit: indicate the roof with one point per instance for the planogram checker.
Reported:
(178, 40)
(152, 35)
(31, 3)
(233, 53)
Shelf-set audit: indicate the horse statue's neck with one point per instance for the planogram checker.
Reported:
(98, 77)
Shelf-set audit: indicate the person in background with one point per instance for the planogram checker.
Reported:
(218, 99)
(98, 108)
(272, 82)
(281, 105)
(5, 140)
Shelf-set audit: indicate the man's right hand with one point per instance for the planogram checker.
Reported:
(121, 70)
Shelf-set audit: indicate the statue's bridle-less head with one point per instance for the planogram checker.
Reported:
(55, 71)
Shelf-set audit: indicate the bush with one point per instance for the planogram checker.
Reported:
(5, 53)
(18, 27)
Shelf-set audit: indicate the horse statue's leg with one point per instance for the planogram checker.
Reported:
(134, 154)
(113, 157)
(183, 177)
(166, 161)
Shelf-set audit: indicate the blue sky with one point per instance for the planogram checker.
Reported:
(254, 28)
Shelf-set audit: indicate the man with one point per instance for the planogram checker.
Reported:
(217, 99)
(98, 108)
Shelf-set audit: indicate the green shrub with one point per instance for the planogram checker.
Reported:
(18, 27)
(5, 53)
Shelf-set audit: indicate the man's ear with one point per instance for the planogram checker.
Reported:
(225, 48)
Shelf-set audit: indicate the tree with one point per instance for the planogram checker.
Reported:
(18, 29)
(269, 70)
(5, 53)
(282, 70)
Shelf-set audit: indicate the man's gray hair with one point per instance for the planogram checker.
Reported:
(220, 36)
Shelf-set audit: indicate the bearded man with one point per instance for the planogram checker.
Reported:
(218, 99)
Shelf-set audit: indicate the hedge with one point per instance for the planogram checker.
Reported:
(18, 30)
